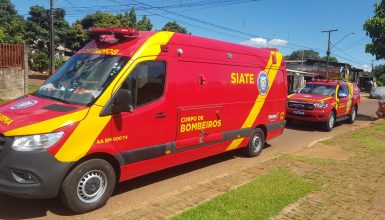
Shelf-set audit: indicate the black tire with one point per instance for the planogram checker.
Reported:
(288, 122)
(88, 186)
(256, 143)
(329, 124)
(353, 115)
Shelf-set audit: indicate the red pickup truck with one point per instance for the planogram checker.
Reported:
(324, 101)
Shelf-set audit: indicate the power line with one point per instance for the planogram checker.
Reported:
(208, 23)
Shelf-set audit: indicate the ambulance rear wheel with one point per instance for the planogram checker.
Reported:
(256, 143)
(88, 186)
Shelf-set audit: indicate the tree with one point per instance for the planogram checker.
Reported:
(37, 35)
(303, 55)
(128, 19)
(12, 24)
(77, 37)
(100, 19)
(2, 35)
(144, 24)
(331, 59)
(379, 73)
(375, 28)
(174, 27)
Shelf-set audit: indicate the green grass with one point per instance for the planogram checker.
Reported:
(262, 198)
(32, 88)
(368, 140)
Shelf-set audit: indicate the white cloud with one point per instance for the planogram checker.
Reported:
(262, 42)
(365, 67)
(255, 42)
(278, 42)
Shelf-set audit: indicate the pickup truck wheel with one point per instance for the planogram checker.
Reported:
(256, 143)
(88, 186)
(353, 115)
(329, 124)
(288, 122)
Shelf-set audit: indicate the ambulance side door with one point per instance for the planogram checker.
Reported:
(149, 130)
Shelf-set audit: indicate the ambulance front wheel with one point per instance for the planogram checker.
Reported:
(256, 143)
(88, 186)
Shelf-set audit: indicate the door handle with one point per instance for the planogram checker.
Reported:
(161, 115)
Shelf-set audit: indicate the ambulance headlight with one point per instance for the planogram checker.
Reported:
(36, 142)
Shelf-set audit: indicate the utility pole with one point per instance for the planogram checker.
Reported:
(373, 65)
(328, 52)
(51, 39)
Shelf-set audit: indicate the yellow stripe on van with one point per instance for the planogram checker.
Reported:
(48, 125)
(85, 134)
(271, 70)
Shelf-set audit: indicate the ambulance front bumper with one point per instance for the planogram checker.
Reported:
(34, 174)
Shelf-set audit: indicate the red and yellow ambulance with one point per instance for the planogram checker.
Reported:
(130, 103)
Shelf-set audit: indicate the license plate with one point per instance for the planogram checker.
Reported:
(298, 112)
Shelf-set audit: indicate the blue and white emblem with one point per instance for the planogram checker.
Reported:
(263, 83)
(25, 104)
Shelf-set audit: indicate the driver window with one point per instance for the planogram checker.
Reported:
(146, 82)
(343, 91)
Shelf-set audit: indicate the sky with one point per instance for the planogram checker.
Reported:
(288, 25)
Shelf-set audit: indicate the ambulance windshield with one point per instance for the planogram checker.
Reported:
(82, 78)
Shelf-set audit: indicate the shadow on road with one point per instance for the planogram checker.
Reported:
(361, 117)
(314, 126)
(175, 171)
(305, 126)
(16, 208)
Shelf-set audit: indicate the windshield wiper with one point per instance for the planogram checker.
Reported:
(52, 98)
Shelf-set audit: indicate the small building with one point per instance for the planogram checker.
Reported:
(296, 79)
(336, 70)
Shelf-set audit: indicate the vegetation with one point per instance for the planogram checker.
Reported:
(375, 29)
(32, 88)
(174, 27)
(379, 73)
(262, 198)
(34, 31)
(308, 54)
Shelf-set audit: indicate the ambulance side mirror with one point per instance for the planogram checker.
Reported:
(123, 102)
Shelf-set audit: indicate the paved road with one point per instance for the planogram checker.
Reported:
(145, 189)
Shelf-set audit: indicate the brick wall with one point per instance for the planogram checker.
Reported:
(13, 83)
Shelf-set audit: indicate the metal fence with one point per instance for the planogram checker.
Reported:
(11, 56)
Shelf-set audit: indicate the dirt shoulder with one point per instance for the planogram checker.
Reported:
(351, 170)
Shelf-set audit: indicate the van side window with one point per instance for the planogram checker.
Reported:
(146, 82)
